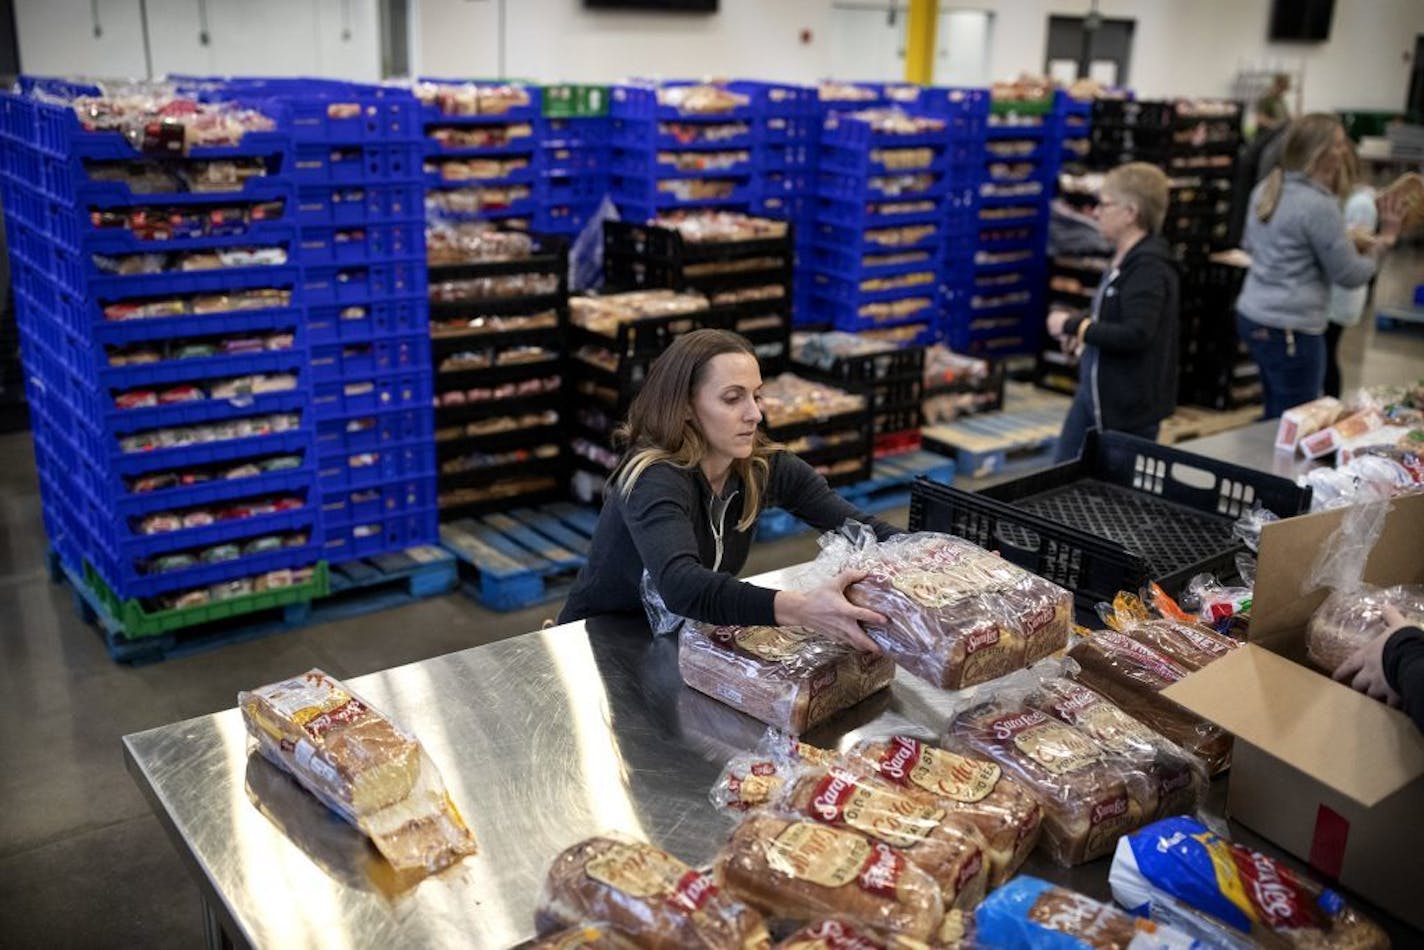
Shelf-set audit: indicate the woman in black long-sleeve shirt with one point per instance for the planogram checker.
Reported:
(683, 503)
(1390, 667)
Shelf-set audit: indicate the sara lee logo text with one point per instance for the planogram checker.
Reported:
(1112, 808)
(981, 638)
(1010, 726)
(1077, 700)
(831, 796)
(900, 758)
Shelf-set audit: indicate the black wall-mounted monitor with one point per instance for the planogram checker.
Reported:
(675, 6)
(1301, 21)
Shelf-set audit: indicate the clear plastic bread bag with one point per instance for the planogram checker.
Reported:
(800, 869)
(938, 840)
(1007, 815)
(648, 894)
(1090, 796)
(590, 936)
(1348, 620)
(1132, 674)
(1176, 779)
(788, 677)
(958, 615)
(361, 765)
(1179, 872)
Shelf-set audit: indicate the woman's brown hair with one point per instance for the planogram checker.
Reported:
(660, 427)
(1307, 141)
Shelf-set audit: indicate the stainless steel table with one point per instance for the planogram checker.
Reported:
(543, 740)
(1252, 446)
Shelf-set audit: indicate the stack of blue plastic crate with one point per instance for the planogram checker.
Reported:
(574, 135)
(160, 299)
(1000, 310)
(882, 210)
(483, 155)
(359, 171)
(669, 156)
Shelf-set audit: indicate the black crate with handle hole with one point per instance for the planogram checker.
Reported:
(1125, 512)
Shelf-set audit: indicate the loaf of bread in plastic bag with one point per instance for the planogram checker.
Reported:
(1090, 797)
(1029, 913)
(649, 895)
(1347, 620)
(1177, 780)
(1133, 674)
(955, 932)
(799, 869)
(1004, 811)
(585, 937)
(1191, 645)
(790, 678)
(361, 765)
(948, 847)
(958, 615)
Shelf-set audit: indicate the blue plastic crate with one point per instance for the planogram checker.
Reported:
(97, 409)
(789, 157)
(431, 115)
(846, 131)
(368, 164)
(564, 219)
(347, 398)
(334, 205)
(858, 160)
(871, 214)
(944, 101)
(370, 431)
(365, 242)
(521, 176)
(572, 161)
(644, 134)
(578, 189)
(126, 581)
(850, 321)
(112, 493)
(852, 294)
(1033, 213)
(1044, 127)
(519, 208)
(356, 117)
(338, 362)
(859, 239)
(782, 130)
(105, 451)
(576, 132)
(351, 323)
(645, 163)
(874, 187)
(970, 304)
(641, 102)
(644, 192)
(59, 134)
(855, 266)
(391, 462)
(1019, 238)
(364, 283)
(388, 517)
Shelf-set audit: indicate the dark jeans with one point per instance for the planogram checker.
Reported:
(1333, 331)
(1079, 421)
(1292, 364)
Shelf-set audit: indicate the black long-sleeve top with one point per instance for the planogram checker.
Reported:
(1404, 670)
(670, 524)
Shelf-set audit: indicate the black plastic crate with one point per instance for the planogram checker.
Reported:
(629, 272)
(907, 363)
(650, 242)
(1126, 512)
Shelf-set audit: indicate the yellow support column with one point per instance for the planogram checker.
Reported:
(920, 41)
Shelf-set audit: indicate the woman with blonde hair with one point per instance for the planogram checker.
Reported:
(682, 506)
(1295, 234)
(1127, 377)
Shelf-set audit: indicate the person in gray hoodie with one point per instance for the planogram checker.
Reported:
(1295, 234)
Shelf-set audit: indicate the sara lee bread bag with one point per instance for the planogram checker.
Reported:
(958, 615)
(361, 765)
(790, 678)
(1090, 796)
(647, 894)
(1180, 873)
(801, 869)
(1002, 808)
(1132, 674)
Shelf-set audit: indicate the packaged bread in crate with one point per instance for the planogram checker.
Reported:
(977, 790)
(650, 896)
(790, 678)
(958, 615)
(361, 765)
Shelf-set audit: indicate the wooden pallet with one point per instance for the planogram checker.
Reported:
(1196, 422)
(357, 588)
(526, 557)
(986, 444)
(887, 488)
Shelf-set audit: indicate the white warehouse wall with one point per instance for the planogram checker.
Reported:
(1187, 47)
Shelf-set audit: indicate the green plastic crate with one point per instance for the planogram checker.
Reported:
(569, 101)
(1021, 106)
(137, 622)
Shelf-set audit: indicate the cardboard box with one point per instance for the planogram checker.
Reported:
(1328, 774)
